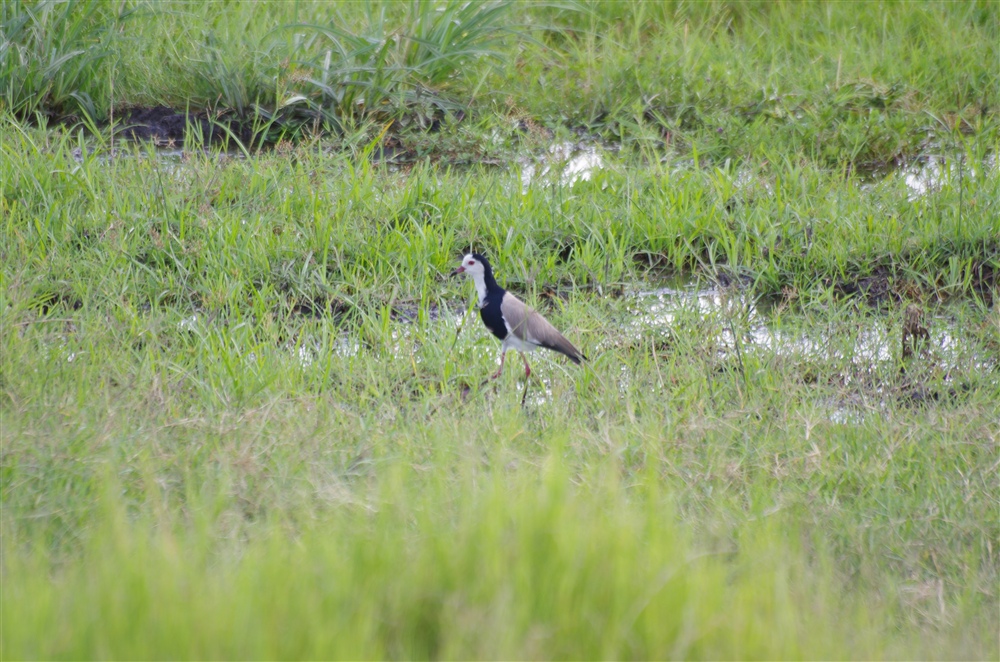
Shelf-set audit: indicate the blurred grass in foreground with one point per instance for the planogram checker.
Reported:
(503, 566)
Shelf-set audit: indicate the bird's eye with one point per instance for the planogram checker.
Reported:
(470, 263)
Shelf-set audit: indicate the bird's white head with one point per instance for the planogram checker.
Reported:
(472, 264)
(475, 265)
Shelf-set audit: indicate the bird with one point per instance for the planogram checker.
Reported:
(510, 319)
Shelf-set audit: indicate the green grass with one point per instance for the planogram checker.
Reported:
(839, 82)
(511, 564)
(241, 416)
(51, 56)
(306, 227)
(844, 85)
(210, 399)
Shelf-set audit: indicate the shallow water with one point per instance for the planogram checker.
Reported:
(858, 352)
(565, 162)
(721, 310)
(570, 162)
(726, 320)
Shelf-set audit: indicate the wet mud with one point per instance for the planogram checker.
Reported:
(886, 286)
(166, 127)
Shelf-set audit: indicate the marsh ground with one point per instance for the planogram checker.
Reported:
(242, 414)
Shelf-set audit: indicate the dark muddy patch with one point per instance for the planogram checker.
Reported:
(886, 286)
(393, 152)
(879, 287)
(47, 301)
(876, 289)
(333, 308)
(986, 278)
(409, 311)
(166, 127)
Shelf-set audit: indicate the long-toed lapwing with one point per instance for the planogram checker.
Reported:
(510, 320)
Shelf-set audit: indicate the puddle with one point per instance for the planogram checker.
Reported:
(565, 162)
(573, 162)
(862, 355)
(188, 323)
(539, 392)
(309, 350)
(405, 335)
(875, 341)
(719, 311)
(569, 162)
(926, 175)
(856, 357)
(845, 416)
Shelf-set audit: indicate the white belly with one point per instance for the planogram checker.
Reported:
(513, 342)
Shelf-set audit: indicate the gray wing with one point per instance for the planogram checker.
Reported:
(530, 326)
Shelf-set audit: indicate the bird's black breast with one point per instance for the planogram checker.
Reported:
(492, 316)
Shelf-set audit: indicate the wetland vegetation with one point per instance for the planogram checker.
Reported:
(241, 405)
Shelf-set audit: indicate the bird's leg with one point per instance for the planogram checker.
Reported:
(527, 368)
(503, 355)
